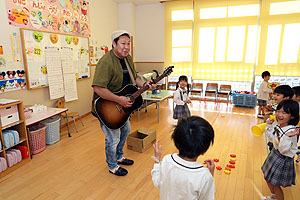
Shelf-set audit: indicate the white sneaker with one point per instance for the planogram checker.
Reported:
(268, 198)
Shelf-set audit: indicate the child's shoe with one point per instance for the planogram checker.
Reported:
(260, 116)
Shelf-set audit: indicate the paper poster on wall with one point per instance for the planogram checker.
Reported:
(61, 16)
(70, 86)
(96, 51)
(16, 47)
(34, 44)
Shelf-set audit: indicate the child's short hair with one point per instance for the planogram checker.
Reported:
(286, 90)
(296, 90)
(192, 136)
(291, 107)
(265, 73)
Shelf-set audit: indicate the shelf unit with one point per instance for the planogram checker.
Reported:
(19, 126)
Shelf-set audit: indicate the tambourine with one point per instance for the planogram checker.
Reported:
(273, 85)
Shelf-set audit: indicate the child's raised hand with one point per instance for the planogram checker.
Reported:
(210, 165)
(293, 133)
(270, 121)
(157, 150)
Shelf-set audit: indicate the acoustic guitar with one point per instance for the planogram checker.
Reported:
(112, 114)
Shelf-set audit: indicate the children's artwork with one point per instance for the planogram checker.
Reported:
(16, 47)
(62, 16)
(12, 80)
(96, 51)
(36, 60)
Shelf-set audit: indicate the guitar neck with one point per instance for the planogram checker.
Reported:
(146, 87)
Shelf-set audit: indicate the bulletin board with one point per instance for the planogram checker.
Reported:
(34, 44)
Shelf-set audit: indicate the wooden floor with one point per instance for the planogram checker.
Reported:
(75, 168)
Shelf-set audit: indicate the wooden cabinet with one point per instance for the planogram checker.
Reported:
(19, 126)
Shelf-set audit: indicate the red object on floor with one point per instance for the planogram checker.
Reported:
(216, 160)
(231, 166)
(231, 162)
(219, 168)
(228, 168)
(232, 155)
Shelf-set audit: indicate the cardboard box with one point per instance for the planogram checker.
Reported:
(140, 140)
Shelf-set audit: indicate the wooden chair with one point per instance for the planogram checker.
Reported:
(172, 86)
(72, 115)
(211, 91)
(197, 91)
(224, 92)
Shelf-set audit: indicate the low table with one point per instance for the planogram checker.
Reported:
(162, 95)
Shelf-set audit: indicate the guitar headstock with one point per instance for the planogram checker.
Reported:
(168, 71)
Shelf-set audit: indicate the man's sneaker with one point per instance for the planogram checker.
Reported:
(125, 161)
(120, 171)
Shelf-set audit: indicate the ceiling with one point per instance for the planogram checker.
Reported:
(138, 2)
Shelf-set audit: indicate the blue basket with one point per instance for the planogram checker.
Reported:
(245, 100)
(52, 130)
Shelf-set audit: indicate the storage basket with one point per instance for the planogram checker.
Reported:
(246, 100)
(52, 130)
(37, 138)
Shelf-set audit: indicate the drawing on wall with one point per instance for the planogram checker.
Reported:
(34, 45)
(15, 42)
(12, 77)
(62, 16)
(96, 51)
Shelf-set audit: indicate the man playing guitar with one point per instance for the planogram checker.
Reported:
(114, 71)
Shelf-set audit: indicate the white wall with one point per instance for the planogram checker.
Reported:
(103, 20)
(126, 17)
(148, 30)
(149, 33)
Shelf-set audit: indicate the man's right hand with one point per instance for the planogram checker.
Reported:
(125, 101)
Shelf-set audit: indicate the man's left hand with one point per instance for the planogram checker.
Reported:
(151, 85)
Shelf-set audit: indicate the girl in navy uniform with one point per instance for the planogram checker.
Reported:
(279, 168)
(181, 98)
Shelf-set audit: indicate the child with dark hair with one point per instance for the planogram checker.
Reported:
(263, 94)
(181, 98)
(281, 93)
(180, 176)
(279, 168)
(296, 96)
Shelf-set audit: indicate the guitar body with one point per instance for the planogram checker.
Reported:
(113, 115)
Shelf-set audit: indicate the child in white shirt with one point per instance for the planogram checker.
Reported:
(180, 176)
(279, 168)
(296, 97)
(263, 94)
(181, 98)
